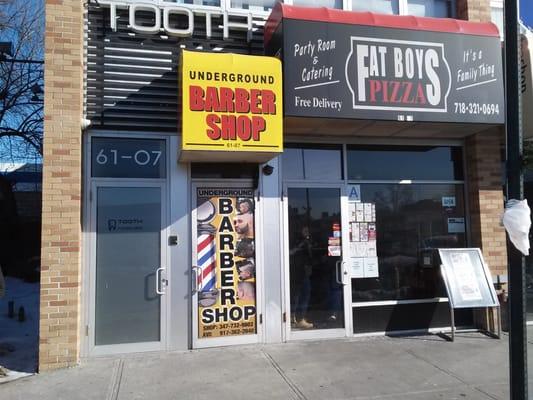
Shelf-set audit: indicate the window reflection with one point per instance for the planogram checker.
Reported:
(405, 162)
(128, 249)
(319, 3)
(377, 6)
(316, 296)
(253, 5)
(430, 8)
(411, 223)
(312, 163)
(496, 16)
(212, 3)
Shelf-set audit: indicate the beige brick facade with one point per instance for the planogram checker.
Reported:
(474, 10)
(485, 197)
(61, 214)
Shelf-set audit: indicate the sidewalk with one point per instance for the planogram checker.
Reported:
(404, 368)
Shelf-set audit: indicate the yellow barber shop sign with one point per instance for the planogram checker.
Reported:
(231, 107)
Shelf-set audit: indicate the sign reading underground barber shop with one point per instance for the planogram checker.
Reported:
(231, 103)
(225, 271)
(354, 71)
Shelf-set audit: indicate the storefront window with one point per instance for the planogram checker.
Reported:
(253, 5)
(405, 163)
(377, 6)
(211, 3)
(224, 171)
(430, 8)
(113, 157)
(312, 163)
(418, 211)
(496, 16)
(412, 222)
(318, 3)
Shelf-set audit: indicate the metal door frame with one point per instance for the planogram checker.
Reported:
(347, 331)
(94, 350)
(198, 343)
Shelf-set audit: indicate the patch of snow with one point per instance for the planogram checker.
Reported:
(13, 375)
(19, 340)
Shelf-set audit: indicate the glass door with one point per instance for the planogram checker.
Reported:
(317, 281)
(130, 274)
(225, 272)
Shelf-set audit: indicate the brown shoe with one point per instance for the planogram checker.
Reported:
(304, 324)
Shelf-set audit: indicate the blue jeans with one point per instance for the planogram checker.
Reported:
(301, 300)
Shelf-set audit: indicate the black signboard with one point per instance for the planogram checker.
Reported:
(334, 70)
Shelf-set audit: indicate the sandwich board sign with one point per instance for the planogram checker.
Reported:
(467, 279)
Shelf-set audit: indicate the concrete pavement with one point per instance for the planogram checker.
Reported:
(413, 367)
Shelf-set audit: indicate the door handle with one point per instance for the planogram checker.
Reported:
(197, 273)
(337, 278)
(344, 272)
(159, 281)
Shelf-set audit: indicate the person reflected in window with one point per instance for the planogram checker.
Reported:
(300, 274)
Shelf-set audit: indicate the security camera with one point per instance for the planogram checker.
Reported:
(268, 169)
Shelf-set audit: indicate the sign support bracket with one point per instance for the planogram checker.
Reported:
(454, 330)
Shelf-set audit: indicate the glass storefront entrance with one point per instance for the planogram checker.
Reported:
(130, 272)
(362, 253)
(128, 255)
(316, 291)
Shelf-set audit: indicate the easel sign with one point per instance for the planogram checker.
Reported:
(468, 281)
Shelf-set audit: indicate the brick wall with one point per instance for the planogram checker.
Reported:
(61, 231)
(485, 196)
(473, 10)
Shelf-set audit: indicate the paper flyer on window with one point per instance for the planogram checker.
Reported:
(363, 241)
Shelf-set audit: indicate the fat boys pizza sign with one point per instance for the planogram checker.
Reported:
(358, 65)
(397, 75)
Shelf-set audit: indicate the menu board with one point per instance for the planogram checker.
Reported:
(467, 278)
(363, 260)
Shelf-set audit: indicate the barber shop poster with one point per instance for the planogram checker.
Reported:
(226, 270)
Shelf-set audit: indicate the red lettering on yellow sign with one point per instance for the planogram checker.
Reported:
(216, 100)
(237, 100)
(231, 127)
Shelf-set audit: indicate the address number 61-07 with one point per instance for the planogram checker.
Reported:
(140, 157)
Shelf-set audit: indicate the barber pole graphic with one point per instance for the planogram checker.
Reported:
(206, 250)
